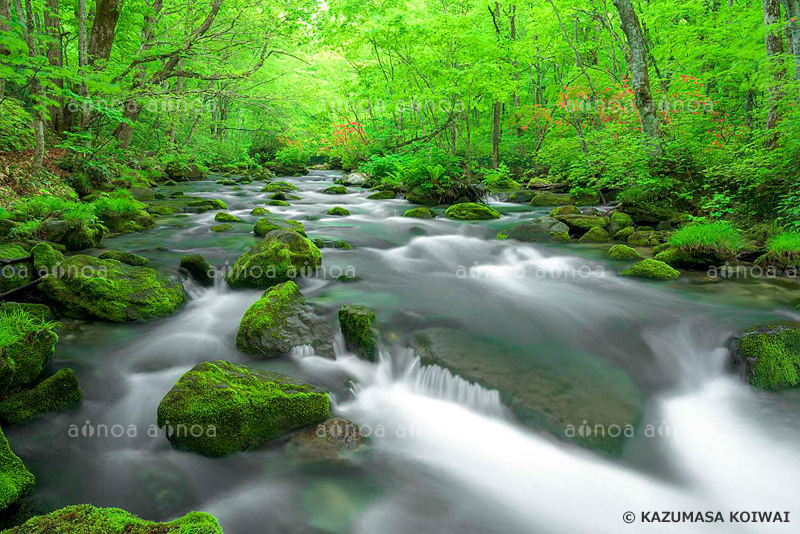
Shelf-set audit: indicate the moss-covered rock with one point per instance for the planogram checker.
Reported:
(278, 203)
(548, 198)
(27, 343)
(86, 519)
(281, 320)
(522, 197)
(382, 195)
(112, 291)
(142, 193)
(338, 211)
(658, 249)
(543, 229)
(224, 227)
(335, 190)
(769, 357)
(268, 224)
(15, 480)
(580, 224)
(640, 238)
(323, 242)
(624, 234)
(421, 196)
(259, 211)
(654, 269)
(52, 394)
(19, 273)
(586, 197)
(233, 408)
(45, 258)
(595, 235)
(359, 334)
(183, 172)
(74, 235)
(619, 221)
(565, 210)
(160, 210)
(647, 211)
(420, 213)
(226, 217)
(127, 221)
(128, 258)
(334, 440)
(198, 267)
(471, 211)
(622, 252)
(282, 255)
(282, 195)
(697, 260)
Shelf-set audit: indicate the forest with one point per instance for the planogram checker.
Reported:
(344, 266)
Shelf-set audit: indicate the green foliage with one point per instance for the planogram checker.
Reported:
(118, 204)
(653, 269)
(775, 355)
(291, 156)
(50, 207)
(15, 131)
(720, 238)
(499, 178)
(784, 243)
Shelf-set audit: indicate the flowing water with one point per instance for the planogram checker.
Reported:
(445, 455)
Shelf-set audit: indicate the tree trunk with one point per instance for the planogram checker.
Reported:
(793, 14)
(38, 119)
(774, 46)
(104, 29)
(496, 108)
(5, 16)
(638, 66)
(52, 26)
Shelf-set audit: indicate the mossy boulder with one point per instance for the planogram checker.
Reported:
(112, 291)
(160, 210)
(224, 227)
(595, 235)
(27, 344)
(586, 197)
(421, 196)
(471, 211)
(142, 193)
(543, 229)
(183, 172)
(87, 519)
(548, 198)
(126, 222)
(128, 258)
(323, 242)
(382, 195)
(282, 195)
(274, 187)
(335, 190)
(19, 269)
(648, 211)
(234, 408)
(55, 393)
(74, 235)
(565, 210)
(360, 336)
(691, 259)
(640, 238)
(198, 267)
(268, 224)
(522, 197)
(226, 217)
(769, 357)
(281, 320)
(580, 224)
(619, 221)
(281, 256)
(420, 213)
(15, 480)
(622, 252)
(338, 211)
(278, 203)
(259, 211)
(335, 440)
(654, 269)
(624, 234)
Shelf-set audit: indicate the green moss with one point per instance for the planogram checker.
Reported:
(45, 258)
(622, 252)
(281, 195)
(128, 258)
(237, 407)
(719, 239)
(122, 213)
(624, 234)
(382, 195)
(259, 211)
(548, 198)
(54, 393)
(268, 224)
(15, 480)
(18, 274)
(595, 235)
(335, 190)
(357, 327)
(583, 196)
(87, 519)
(224, 227)
(643, 239)
(773, 356)
(657, 270)
(75, 235)
(470, 211)
(582, 223)
(226, 217)
(281, 256)
(420, 213)
(342, 212)
(197, 266)
(565, 210)
(341, 244)
(278, 203)
(620, 221)
(160, 210)
(273, 187)
(113, 291)
(27, 343)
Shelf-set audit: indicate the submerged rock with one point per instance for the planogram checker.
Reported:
(224, 227)
(335, 440)
(233, 408)
(341, 244)
(281, 320)
(360, 336)
(339, 211)
(52, 394)
(113, 291)
(768, 357)
(471, 211)
(281, 256)
(128, 258)
(654, 269)
(87, 519)
(226, 217)
(15, 480)
(382, 195)
(543, 229)
(198, 267)
(335, 190)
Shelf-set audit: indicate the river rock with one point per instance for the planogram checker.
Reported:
(281, 320)
(335, 440)
(142, 193)
(360, 336)
(74, 235)
(382, 195)
(421, 196)
(268, 224)
(28, 345)
(45, 258)
(653, 269)
(226, 217)
(112, 291)
(15, 480)
(52, 394)
(358, 179)
(543, 229)
(179, 172)
(549, 198)
(274, 187)
(87, 519)
(619, 221)
(640, 238)
(768, 357)
(471, 211)
(420, 213)
(124, 222)
(335, 190)
(622, 252)
(128, 258)
(691, 259)
(580, 224)
(281, 256)
(234, 408)
(198, 267)
(338, 211)
(595, 235)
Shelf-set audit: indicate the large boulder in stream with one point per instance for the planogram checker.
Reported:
(55, 393)
(281, 320)
(27, 343)
(15, 480)
(198, 267)
(471, 211)
(17, 269)
(360, 336)
(112, 291)
(220, 408)
(87, 519)
(281, 256)
(768, 357)
(75, 235)
(652, 269)
(541, 230)
(358, 179)
(268, 224)
(335, 440)
(552, 392)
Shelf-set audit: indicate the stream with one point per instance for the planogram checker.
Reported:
(445, 455)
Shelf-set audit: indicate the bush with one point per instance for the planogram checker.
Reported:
(291, 156)
(720, 238)
(117, 205)
(44, 207)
